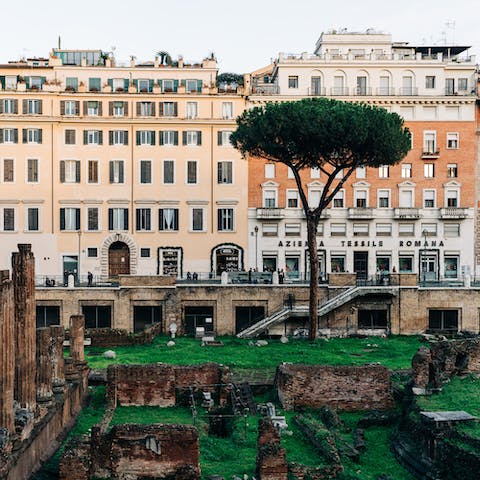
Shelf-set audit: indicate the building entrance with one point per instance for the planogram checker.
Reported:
(360, 264)
(118, 259)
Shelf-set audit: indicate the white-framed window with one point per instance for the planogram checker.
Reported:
(118, 109)
(227, 110)
(118, 218)
(292, 229)
(144, 85)
(452, 197)
(361, 198)
(406, 170)
(168, 172)
(93, 221)
(320, 229)
(383, 198)
(32, 222)
(337, 263)
(143, 219)
(429, 197)
(93, 137)
(225, 219)
(450, 263)
(168, 85)
(430, 81)
(451, 229)
(314, 195)
(119, 137)
(452, 170)
(338, 229)
(406, 229)
(429, 170)
(9, 106)
(70, 136)
(145, 171)
(192, 172)
(70, 219)
(315, 172)
(225, 172)
(191, 85)
(145, 109)
(8, 219)
(429, 229)
(71, 107)
(93, 108)
(146, 137)
(118, 84)
(405, 263)
(339, 199)
(360, 229)
(462, 84)
(33, 135)
(32, 170)
(9, 135)
(117, 171)
(269, 198)
(452, 140)
(191, 110)
(168, 138)
(92, 171)
(406, 198)
(270, 229)
(168, 219)
(8, 170)
(290, 174)
(34, 107)
(293, 81)
(430, 141)
(383, 171)
(383, 229)
(269, 170)
(192, 138)
(197, 218)
(70, 171)
(361, 172)
(292, 199)
(11, 82)
(169, 109)
(224, 138)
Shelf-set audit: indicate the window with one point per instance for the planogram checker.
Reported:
(145, 171)
(192, 110)
(451, 198)
(406, 170)
(97, 316)
(70, 137)
(290, 173)
(337, 263)
(145, 252)
(169, 172)
(429, 199)
(197, 219)
(92, 137)
(372, 319)
(314, 196)
(143, 219)
(191, 172)
(452, 170)
(315, 172)
(292, 229)
(92, 171)
(443, 320)
(429, 229)
(383, 171)
(92, 219)
(118, 137)
(168, 109)
(451, 229)
(339, 199)
(168, 219)
(69, 219)
(9, 105)
(292, 198)
(384, 229)
(269, 198)
(9, 135)
(225, 219)
(71, 107)
(225, 172)
(406, 229)
(32, 107)
(462, 84)
(224, 138)
(227, 110)
(119, 84)
(116, 168)
(92, 252)
(144, 85)
(118, 218)
(360, 198)
(429, 142)
(320, 229)
(383, 198)
(70, 171)
(118, 109)
(192, 86)
(146, 137)
(47, 315)
(360, 229)
(94, 84)
(8, 219)
(293, 81)
(430, 81)
(429, 170)
(192, 138)
(406, 198)
(10, 82)
(93, 108)
(405, 263)
(145, 109)
(338, 229)
(269, 170)
(168, 137)
(32, 170)
(32, 135)
(168, 86)
(452, 141)
(269, 229)
(8, 170)
(361, 172)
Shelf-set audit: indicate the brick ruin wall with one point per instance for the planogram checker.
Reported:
(112, 337)
(162, 385)
(271, 456)
(341, 387)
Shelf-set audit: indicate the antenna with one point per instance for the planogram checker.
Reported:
(451, 25)
(59, 42)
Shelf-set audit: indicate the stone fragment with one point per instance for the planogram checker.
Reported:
(110, 354)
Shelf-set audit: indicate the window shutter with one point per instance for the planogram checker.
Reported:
(219, 138)
(175, 85)
(150, 85)
(160, 219)
(2, 81)
(100, 137)
(100, 109)
(184, 83)
(125, 218)
(160, 138)
(152, 137)
(175, 219)
(110, 109)
(1, 135)
(160, 84)
(125, 137)
(1, 106)
(139, 109)
(85, 137)
(25, 106)
(111, 171)
(219, 219)
(160, 109)
(77, 219)
(15, 106)
(15, 135)
(62, 171)
(184, 138)
(135, 82)
(219, 172)
(126, 84)
(27, 82)
(110, 83)
(137, 134)
(120, 172)
(62, 107)
(175, 138)
(199, 86)
(199, 137)
(153, 109)
(110, 137)
(175, 109)
(77, 107)
(40, 107)
(40, 135)
(77, 171)
(62, 219)
(138, 217)
(85, 107)
(110, 219)
(125, 109)
(24, 135)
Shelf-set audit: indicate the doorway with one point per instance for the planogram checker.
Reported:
(429, 266)
(145, 316)
(70, 267)
(118, 259)
(227, 260)
(247, 316)
(360, 264)
(196, 317)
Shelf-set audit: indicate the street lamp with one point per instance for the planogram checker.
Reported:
(256, 247)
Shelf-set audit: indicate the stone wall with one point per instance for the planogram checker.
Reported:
(271, 456)
(341, 387)
(114, 337)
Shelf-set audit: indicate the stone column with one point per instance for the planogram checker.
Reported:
(23, 267)
(7, 353)
(44, 367)
(57, 358)
(77, 334)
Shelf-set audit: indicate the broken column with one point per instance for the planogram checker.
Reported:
(7, 353)
(75, 364)
(44, 367)
(58, 362)
(23, 267)
(271, 456)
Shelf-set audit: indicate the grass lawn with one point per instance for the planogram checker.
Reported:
(395, 352)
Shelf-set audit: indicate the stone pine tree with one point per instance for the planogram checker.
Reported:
(333, 136)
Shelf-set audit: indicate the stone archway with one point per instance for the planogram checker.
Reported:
(118, 238)
(226, 257)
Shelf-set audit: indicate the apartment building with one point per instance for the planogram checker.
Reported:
(415, 217)
(115, 169)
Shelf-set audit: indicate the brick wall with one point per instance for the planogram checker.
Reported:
(342, 387)
(271, 457)
(113, 337)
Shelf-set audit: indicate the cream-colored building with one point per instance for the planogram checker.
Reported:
(120, 169)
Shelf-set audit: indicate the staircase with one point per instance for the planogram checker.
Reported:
(330, 305)
(242, 399)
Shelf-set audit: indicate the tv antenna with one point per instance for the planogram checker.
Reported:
(450, 24)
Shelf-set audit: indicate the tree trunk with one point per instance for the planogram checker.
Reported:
(313, 254)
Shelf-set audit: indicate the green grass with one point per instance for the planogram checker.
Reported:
(395, 352)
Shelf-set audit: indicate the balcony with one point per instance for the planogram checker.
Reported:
(363, 91)
(361, 213)
(453, 213)
(339, 91)
(408, 91)
(270, 213)
(406, 213)
(431, 155)
(385, 91)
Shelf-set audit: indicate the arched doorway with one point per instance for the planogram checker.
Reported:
(118, 259)
(227, 257)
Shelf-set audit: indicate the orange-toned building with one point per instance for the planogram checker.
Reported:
(418, 216)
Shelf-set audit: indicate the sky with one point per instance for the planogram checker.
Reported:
(244, 35)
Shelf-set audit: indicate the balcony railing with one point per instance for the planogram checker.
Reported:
(365, 213)
(270, 213)
(385, 91)
(430, 155)
(408, 91)
(339, 91)
(363, 91)
(453, 213)
(317, 91)
(406, 213)
(265, 89)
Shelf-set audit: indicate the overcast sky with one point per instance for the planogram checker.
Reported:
(244, 34)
